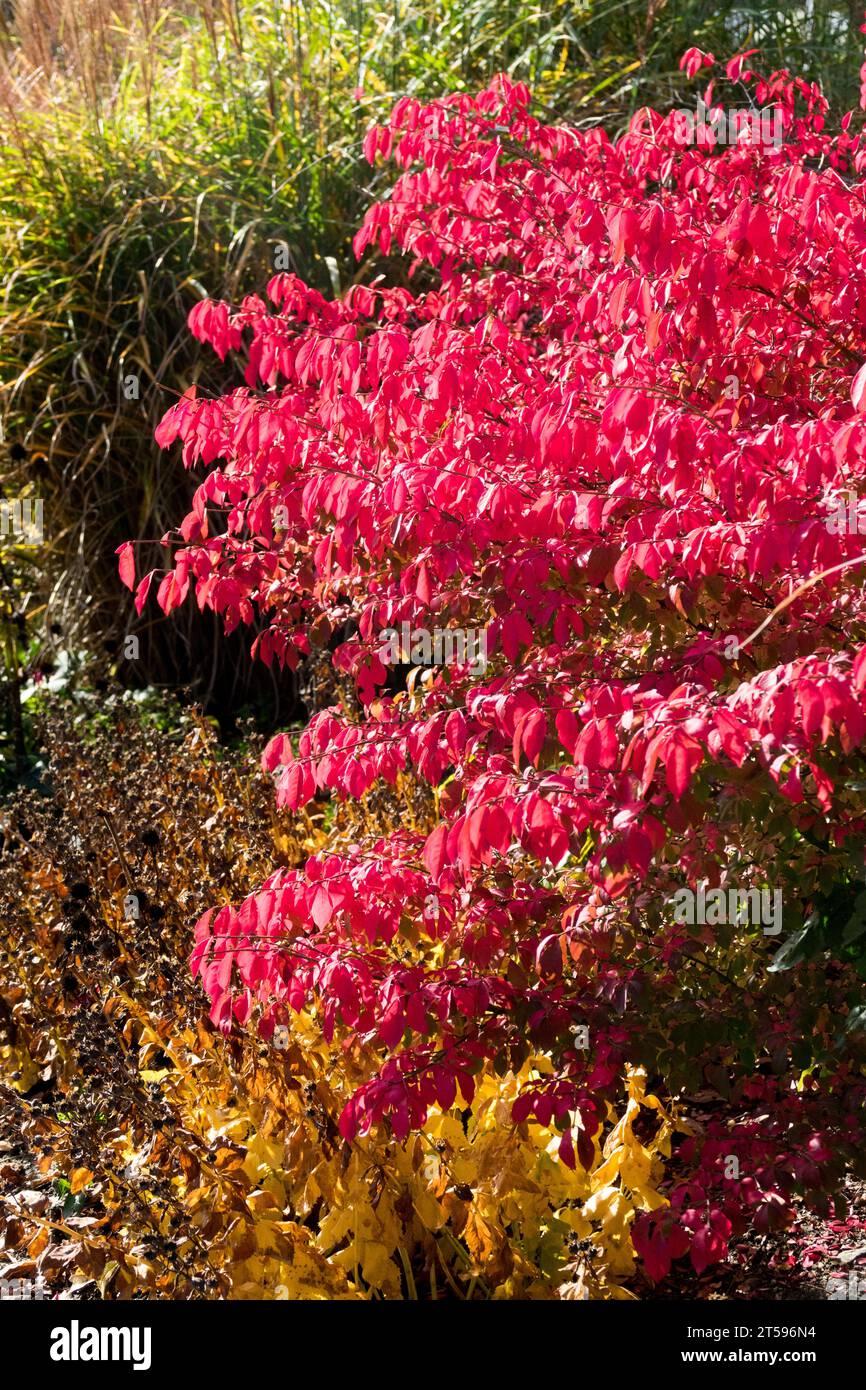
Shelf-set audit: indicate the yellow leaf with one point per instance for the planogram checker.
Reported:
(78, 1179)
(428, 1210)
(462, 1170)
(376, 1265)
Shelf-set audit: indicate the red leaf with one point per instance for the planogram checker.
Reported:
(858, 390)
(424, 583)
(682, 758)
(142, 591)
(126, 564)
(567, 730)
(435, 851)
(533, 733)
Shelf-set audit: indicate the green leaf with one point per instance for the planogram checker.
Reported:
(73, 1204)
(792, 952)
(856, 1020)
(856, 924)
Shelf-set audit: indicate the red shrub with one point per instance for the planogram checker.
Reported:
(607, 455)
